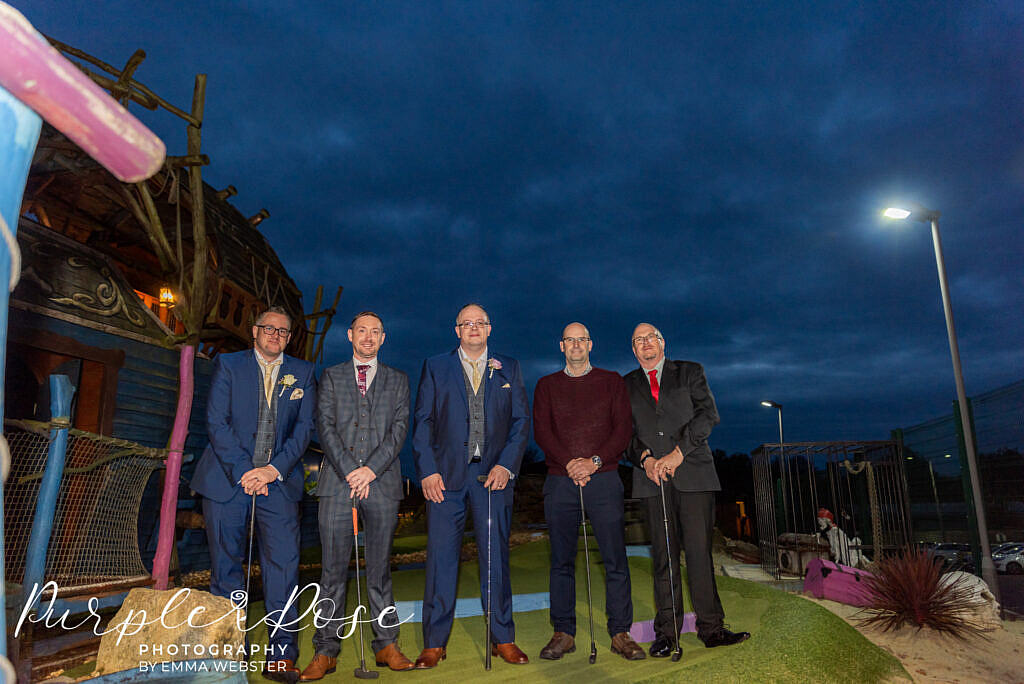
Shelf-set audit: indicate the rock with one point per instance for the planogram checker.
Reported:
(984, 611)
(166, 633)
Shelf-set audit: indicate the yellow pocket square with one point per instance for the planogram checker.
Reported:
(296, 394)
(506, 386)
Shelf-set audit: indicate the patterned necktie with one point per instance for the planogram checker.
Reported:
(654, 383)
(268, 378)
(362, 368)
(476, 377)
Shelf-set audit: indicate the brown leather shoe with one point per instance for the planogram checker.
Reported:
(319, 667)
(624, 645)
(560, 644)
(393, 657)
(430, 657)
(281, 671)
(510, 653)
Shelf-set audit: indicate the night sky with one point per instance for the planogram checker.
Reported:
(716, 169)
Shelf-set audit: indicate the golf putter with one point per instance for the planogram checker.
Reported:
(586, 554)
(678, 652)
(360, 672)
(487, 630)
(252, 533)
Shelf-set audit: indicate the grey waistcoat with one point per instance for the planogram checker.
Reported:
(266, 426)
(362, 444)
(477, 421)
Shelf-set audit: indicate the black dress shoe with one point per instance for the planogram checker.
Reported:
(724, 637)
(661, 647)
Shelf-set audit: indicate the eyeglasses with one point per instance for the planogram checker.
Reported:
(571, 340)
(270, 331)
(649, 337)
(474, 324)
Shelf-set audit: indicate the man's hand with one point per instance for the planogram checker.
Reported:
(255, 481)
(433, 488)
(650, 465)
(360, 478)
(360, 492)
(580, 470)
(666, 466)
(497, 479)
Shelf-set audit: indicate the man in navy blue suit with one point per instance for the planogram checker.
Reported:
(471, 419)
(259, 419)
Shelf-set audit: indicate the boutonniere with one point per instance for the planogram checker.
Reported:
(286, 382)
(493, 364)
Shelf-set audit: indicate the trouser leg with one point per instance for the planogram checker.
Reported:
(562, 513)
(602, 498)
(697, 522)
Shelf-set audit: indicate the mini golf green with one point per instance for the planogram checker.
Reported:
(793, 640)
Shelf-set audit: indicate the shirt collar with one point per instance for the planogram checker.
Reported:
(660, 366)
(262, 362)
(585, 372)
(466, 359)
(372, 363)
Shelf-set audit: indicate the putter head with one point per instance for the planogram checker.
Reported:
(363, 673)
(677, 654)
(593, 655)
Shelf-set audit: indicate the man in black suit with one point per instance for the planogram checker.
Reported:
(673, 413)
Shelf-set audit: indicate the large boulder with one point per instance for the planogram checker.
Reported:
(164, 626)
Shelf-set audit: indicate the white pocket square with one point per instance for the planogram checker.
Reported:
(296, 394)
(506, 386)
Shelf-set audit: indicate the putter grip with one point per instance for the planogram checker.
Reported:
(355, 521)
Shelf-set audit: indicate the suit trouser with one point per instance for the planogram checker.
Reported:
(691, 517)
(446, 523)
(602, 498)
(379, 516)
(277, 535)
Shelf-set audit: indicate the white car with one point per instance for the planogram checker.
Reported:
(1009, 559)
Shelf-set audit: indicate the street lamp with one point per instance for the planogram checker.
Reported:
(783, 466)
(918, 213)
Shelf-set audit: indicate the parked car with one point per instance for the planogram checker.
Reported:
(951, 553)
(1009, 559)
(999, 548)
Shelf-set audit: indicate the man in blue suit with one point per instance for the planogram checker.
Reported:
(259, 419)
(471, 419)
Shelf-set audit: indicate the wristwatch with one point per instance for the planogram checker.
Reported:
(597, 461)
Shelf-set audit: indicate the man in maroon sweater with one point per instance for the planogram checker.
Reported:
(583, 422)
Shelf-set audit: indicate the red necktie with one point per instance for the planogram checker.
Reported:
(654, 383)
(362, 368)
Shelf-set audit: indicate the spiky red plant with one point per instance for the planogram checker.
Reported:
(909, 589)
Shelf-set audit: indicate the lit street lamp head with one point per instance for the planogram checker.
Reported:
(771, 404)
(915, 213)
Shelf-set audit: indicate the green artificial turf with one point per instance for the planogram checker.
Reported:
(793, 640)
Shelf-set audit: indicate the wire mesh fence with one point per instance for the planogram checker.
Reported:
(935, 469)
(95, 525)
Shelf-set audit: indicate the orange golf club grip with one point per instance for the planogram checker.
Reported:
(355, 521)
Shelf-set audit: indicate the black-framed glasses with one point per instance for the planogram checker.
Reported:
(474, 324)
(570, 340)
(649, 337)
(270, 331)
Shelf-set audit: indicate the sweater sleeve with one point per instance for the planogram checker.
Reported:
(544, 427)
(621, 418)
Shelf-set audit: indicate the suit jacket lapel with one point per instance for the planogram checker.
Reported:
(378, 378)
(642, 385)
(254, 376)
(458, 380)
(283, 393)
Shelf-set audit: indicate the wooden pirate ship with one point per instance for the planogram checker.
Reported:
(130, 290)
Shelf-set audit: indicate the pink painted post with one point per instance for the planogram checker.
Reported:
(35, 73)
(169, 503)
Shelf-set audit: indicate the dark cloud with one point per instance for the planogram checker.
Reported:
(714, 168)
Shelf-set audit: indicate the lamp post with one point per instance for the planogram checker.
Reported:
(988, 571)
(783, 466)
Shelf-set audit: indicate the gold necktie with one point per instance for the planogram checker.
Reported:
(268, 379)
(476, 377)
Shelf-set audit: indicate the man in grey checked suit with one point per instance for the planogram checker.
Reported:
(363, 419)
